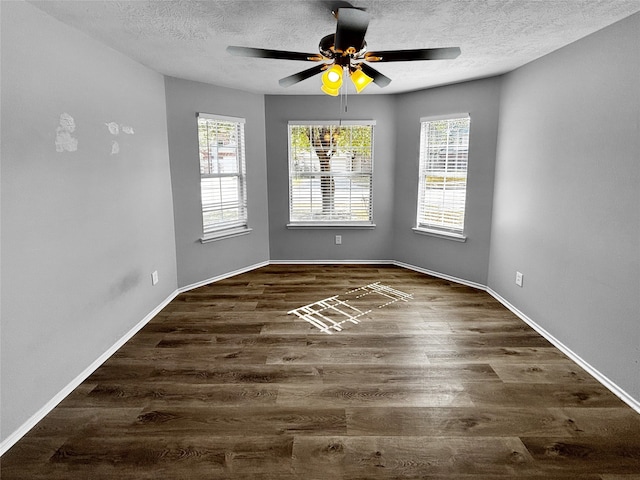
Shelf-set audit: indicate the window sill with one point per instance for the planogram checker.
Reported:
(328, 225)
(457, 237)
(222, 234)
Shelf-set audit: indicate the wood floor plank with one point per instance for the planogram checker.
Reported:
(224, 384)
(206, 307)
(262, 340)
(162, 395)
(480, 326)
(297, 326)
(585, 454)
(83, 420)
(190, 457)
(454, 421)
(424, 339)
(210, 373)
(357, 355)
(193, 454)
(206, 323)
(30, 450)
(494, 355)
(542, 373)
(527, 395)
(393, 395)
(179, 340)
(421, 374)
(620, 423)
(231, 421)
(402, 457)
(196, 355)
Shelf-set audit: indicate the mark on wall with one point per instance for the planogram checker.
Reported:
(334, 312)
(115, 129)
(64, 140)
(125, 284)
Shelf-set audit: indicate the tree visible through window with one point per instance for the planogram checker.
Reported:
(330, 173)
(222, 172)
(444, 151)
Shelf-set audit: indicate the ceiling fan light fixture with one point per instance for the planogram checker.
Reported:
(330, 91)
(346, 53)
(332, 78)
(360, 79)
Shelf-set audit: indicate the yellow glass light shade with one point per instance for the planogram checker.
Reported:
(360, 79)
(330, 91)
(332, 78)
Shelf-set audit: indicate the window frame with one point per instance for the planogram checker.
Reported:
(225, 229)
(330, 223)
(431, 229)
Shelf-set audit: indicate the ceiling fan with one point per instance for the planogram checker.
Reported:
(346, 52)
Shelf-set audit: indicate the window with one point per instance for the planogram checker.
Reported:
(330, 173)
(222, 176)
(444, 148)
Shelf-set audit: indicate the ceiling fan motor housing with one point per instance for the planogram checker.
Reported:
(328, 50)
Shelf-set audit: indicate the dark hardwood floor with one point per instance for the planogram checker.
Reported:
(224, 384)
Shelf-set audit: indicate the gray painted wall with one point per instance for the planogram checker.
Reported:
(314, 244)
(83, 230)
(469, 260)
(567, 198)
(197, 261)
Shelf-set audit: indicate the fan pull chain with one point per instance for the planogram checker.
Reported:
(344, 93)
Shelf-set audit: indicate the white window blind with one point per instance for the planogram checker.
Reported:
(222, 172)
(444, 149)
(330, 172)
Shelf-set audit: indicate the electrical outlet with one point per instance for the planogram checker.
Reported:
(519, 279)
(338, 239)
(154, 278)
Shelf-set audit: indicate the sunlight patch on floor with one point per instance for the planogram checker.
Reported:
(331, 314)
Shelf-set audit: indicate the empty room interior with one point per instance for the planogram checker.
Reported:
(316, 239)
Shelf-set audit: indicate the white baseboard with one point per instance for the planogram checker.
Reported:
(75, 383)
(331, 262)
(51, 404)
(443, 276)
(615, 389)
(222, 277)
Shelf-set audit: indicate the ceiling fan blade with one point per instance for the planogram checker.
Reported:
(352, 26)
(409, 55)
(334, 5)
(378, 78)
(298, 77)
(277, 54)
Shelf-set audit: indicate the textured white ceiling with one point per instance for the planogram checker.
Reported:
(187, 39)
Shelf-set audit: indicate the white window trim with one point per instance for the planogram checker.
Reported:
(326, 225)
(221, 118)
(226, 233)
(437, 232)
(332, 122)
(458, 237)
(448, 116)
(331, 225)
(233, 229)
